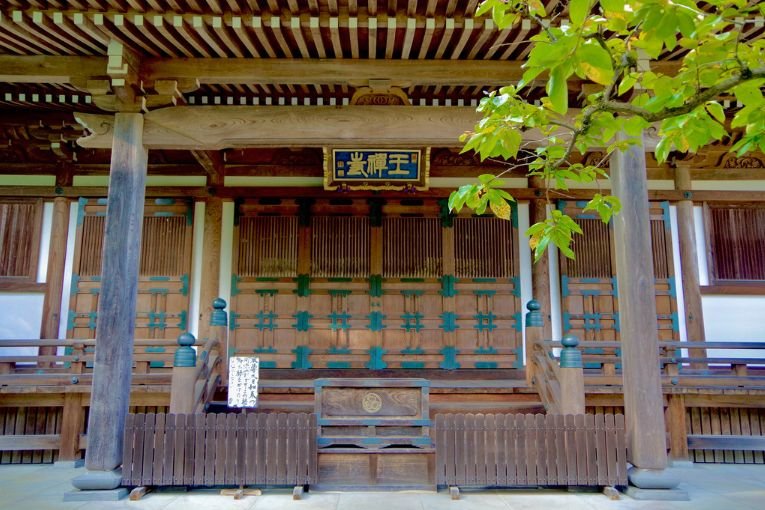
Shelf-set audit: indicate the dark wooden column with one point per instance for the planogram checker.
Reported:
(540, 271)
(117, 300)
(686, 233)
(55, 278)
(643, 403)
(210, 281)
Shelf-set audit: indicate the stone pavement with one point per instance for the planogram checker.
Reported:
(710, 486)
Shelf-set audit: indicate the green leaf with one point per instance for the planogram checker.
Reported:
(557, 90)
(715, 109)
(596, 63)
(627, 83)
(578, 10)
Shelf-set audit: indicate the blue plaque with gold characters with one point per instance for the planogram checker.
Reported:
(373, 169)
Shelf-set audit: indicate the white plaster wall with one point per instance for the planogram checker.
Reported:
(728, 318)
(21, 312)
(68, 264)
(196, 267)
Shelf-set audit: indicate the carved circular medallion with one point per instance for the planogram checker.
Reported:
(371, 402)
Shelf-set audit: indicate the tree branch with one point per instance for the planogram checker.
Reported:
(689, 106)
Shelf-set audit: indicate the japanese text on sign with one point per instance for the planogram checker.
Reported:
(243, 374)
(371, 165)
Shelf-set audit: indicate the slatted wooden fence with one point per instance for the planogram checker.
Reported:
(516, 450)
(220, 449)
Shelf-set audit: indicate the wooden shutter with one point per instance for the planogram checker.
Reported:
(20, 225)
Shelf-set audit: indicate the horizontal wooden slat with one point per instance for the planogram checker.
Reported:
(32, 442)
(725, 442)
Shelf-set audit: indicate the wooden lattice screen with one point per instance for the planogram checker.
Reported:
(412, 247)
(163, 242)
(483, 248)
(593, 251)
(340, 247)
(737, 238)
(165, 263)
(92, 245)
(268, 246)
(589, 287)
(20, 223)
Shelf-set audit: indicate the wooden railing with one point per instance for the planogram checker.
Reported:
(208, 375)
(152, 362)
(684, 364)
(560, 385)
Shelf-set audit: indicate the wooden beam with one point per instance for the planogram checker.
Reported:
(50, 69)
(401, 73)
(220, 127)
(212, 162)
(643, 401)
(117, 302)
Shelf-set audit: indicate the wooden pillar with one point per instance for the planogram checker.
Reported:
(678, 428)
(51, 315)
(210, 281)
(643, 403)
(182, 388)
(540, 271)
(571, 376)
(117, 302)
(686, 233)
(71, 427)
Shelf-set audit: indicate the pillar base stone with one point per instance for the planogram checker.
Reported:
(98, 480)
(653, 478)
(655, 485)
(101, 495)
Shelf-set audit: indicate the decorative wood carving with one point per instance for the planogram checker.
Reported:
(749, 161)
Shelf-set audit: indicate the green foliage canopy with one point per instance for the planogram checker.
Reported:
(614, 44)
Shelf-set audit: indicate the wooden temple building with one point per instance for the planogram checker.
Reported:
(294, 159)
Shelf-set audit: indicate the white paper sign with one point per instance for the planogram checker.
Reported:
(243, 381)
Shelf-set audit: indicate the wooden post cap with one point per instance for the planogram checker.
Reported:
(534, 317)
(219, 317)
(185, 356)
(570, 355)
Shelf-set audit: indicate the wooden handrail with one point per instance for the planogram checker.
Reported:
(207, 375)
(87, 342)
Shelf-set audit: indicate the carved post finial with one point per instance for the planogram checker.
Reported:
(185, 356)
(534, 318)
(570, 355)
(219, 317)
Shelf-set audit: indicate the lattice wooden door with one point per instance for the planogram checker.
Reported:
(357, 284)
(590, 308)
(163, 285)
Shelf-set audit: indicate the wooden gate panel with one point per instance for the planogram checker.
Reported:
(224, 449)
(530, 450)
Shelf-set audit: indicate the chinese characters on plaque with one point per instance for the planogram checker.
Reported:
(391, 169)
(243, 381)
